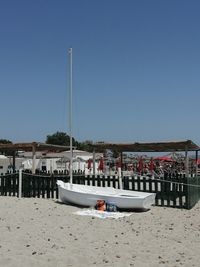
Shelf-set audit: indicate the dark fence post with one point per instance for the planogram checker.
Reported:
(38, 179)
(126, 182)
(198, 183)
(98, 180)
(48, 187)
(114, 181)
(2, 180)
(108, 181)
(180, 190)
(133, 182)
(57, 195)
(52, 186)
(192, 192)
(87, 180)
(34, 187)
(144, 180)
(93, 180)
(156, 191)
(43, 185)
(24, 189)
(139, 182)
(103, 181)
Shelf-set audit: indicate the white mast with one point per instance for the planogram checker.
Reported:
(70, 116)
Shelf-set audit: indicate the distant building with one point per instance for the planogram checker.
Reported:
(6, 164)
(51, 162)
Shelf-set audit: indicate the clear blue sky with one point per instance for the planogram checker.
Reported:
(136, 69)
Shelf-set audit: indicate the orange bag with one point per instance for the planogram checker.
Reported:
(101, 205)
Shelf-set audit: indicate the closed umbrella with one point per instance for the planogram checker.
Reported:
(101, 165)
(118, 164)
(140, 165)
(151, 165)
(89, 164)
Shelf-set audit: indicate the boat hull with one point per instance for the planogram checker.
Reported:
(87, 196)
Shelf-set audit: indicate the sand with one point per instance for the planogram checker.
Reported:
(44, 232)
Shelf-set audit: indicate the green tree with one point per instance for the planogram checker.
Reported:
(5, 141)
(87, 146)
(6, 152)
(60, 138)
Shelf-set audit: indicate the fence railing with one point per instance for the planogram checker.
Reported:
(171, 191)
(9, 184)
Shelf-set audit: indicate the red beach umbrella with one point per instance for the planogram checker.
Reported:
(198, 161)
(163, 159)
(140, 165)
(151, 165)
(101, 165)
(118, 164)
(89, 164)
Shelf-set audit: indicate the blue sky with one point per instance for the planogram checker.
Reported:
(136, 68)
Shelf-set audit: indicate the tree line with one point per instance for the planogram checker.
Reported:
(59, 138)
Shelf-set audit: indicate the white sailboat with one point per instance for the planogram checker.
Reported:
(87, 196)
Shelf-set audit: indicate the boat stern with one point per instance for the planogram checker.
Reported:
(149, 201)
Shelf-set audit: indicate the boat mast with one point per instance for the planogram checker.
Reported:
(70, 115)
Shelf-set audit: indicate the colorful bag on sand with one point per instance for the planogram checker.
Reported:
(101, 205)
(111, 207)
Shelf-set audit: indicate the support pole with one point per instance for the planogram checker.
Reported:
(20, 184)
(186, 163)
(34, 160)
(70, 116)
(196, 161)
(120, 172)
(120, 177)
(94, 165)
(14, 167)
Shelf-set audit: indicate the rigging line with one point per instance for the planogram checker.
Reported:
(172, 182)
(167, 181)
(41, 176)
(8, 174)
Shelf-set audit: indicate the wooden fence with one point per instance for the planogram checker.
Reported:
(172, 191)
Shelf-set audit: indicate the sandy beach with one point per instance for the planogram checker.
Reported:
(44, 232)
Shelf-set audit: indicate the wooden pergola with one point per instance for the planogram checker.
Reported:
(34, 147)
(170, 146)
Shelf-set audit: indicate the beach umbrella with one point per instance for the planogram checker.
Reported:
(89, 164)
(164, 158)
(198, 161)
(101, 165)
(118, 164)
(140, 165)
(151, 165)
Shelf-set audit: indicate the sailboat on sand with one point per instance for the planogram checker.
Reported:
(87, 196)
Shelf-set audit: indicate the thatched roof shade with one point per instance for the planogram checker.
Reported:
(147, 147)
(34, 145)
